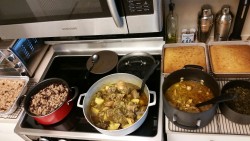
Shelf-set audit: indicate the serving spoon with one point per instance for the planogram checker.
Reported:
(94, 59)
(147, 75)
(218, 99)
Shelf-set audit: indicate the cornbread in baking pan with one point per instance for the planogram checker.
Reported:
(176, 58)
(230, 58)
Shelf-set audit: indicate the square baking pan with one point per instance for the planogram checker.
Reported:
(176, 45)
(225, 61)
(22, 91)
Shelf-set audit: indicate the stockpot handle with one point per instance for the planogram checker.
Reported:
(74, 97)
(193, 67)
(79, 100)
(198, 123)
(154, 98)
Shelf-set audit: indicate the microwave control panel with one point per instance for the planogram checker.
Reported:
(138, 7)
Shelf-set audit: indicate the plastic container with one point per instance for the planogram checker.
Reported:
(23, 90)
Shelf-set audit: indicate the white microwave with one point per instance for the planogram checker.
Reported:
(60, 18)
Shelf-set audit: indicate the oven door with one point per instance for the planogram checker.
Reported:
(46, 18)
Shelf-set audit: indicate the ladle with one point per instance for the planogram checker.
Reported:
(218, 99)
(94, 59)
(147, 75)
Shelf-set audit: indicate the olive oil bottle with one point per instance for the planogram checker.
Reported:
(171, 28)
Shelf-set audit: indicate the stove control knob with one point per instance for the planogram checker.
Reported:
(18, 65)
(11, 57)
(23, 72)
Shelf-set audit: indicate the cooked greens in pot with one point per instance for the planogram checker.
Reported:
(184, 95)
(117, 106)
(241, 103)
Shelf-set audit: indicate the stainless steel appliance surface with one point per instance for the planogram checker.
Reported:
(68, 61)
(60, 18)
(21, 56)
(205, 23)
(223, 23)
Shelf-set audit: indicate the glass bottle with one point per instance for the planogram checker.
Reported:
(171, 25)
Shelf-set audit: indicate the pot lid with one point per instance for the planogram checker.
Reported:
(137, 63)
(107, 60)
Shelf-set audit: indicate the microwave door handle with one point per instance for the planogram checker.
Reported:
(114, 12)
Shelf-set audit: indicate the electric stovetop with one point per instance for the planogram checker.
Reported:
(73, 69)
(69, 63)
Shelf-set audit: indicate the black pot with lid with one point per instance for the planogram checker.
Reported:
(136, 63)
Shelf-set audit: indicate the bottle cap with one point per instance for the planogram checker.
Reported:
(171, 6)
(225, 9)
(193, 30)
(206, 10)
(184, 30)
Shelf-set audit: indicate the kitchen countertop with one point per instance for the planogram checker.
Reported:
(7, 129)
(7, 125)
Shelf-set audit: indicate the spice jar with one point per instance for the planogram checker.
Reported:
(188, 35)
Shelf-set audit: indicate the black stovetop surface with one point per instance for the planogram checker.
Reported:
(72, 69)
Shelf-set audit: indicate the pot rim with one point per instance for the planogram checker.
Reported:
(237, 83)
(233, 111)
(36, 116)
(37, 85)
(89, 93)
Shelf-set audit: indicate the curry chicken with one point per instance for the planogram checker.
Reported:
(117, 106)
(184, 95)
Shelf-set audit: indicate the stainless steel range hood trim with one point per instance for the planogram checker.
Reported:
(106, 40)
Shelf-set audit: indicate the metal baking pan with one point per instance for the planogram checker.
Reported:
(22, 92)
(226, 74)
(183, 45)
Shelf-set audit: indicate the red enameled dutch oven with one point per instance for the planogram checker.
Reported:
(61, 112)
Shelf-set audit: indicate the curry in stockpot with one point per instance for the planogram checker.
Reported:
(117, 106)
(184, 95)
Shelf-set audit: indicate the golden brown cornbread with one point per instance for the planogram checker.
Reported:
(230, 58)
(177, 57)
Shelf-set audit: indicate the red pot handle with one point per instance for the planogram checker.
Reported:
(75, 95)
